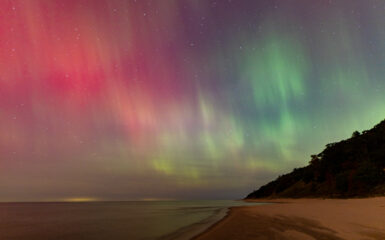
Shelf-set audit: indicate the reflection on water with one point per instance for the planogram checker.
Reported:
(104, 220)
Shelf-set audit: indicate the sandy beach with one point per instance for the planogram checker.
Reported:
(303, 219)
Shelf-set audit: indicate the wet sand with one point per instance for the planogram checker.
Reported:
(303, 219)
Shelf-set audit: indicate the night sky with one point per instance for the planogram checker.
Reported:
(179, 99)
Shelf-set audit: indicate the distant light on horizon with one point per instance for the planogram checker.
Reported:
(80, 199)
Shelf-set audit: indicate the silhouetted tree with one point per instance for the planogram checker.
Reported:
(314, 160)
(356, 134)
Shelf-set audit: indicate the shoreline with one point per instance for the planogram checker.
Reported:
(302, 219)
(214, 224)
(190, 231)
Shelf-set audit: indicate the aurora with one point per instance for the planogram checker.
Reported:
(179, 99)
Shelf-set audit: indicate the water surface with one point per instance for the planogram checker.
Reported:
(131, 220)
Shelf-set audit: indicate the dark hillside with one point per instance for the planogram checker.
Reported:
(351, 168)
